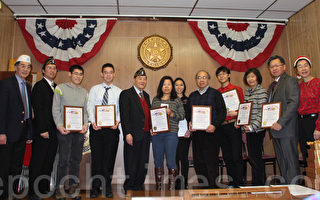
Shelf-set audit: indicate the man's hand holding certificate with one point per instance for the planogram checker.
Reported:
(201, 118)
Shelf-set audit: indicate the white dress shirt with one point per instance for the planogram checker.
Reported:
(95, 98)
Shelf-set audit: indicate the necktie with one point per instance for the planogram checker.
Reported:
(272, 90)
(105, 96)
(24, 100)
(141, 95)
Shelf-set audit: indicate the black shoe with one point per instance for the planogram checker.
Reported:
(77, 198)
(94, 193)
(108, 195)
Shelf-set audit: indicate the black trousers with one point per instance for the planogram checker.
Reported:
(42, 158)
(231, 145)
(11, 155)
(205, 148)
(182, 159)
(255, 147)
(104, 147)
(306, 129)
(136, 159)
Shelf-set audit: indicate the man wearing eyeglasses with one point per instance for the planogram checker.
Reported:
(70, 143)
(285, 89)
(15, 125)
(103, 140)
(205, 143)
(230, 137)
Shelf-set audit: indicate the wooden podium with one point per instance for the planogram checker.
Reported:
(313, 162)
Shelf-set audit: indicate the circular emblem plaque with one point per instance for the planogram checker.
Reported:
(155, 52)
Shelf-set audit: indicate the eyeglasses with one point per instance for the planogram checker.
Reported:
(302, 65)
(276, 65)
(202, 77)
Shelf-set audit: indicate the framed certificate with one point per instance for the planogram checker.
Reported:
(201, 117)
(270, 114)
(159, 120)
(231, 99)
(244, 113)
(73, 118)
(106, 115)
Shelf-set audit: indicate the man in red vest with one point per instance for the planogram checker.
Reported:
(135, 121)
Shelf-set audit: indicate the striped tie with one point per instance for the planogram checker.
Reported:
(105, 96)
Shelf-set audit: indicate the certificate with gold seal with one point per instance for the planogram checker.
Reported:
(201, 117)
(270, 114)
(155, 52)
(106, 115)
(231, 99)
(244, 114)
(159, 119)
(73, 118)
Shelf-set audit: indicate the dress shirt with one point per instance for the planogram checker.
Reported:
(20, 81)
(51, 83)
(201, 92)
(138, 91)
(96, 96)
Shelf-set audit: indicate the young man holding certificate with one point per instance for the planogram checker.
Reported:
(230, 137)
(69, 110)
(285, 89)
(104, 132)
(205, 143)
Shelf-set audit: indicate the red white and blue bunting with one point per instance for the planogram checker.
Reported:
(69, 41)
(238, 46)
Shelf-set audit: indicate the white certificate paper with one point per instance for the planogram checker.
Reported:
(244, 114)
(231, 99)
(159, 120)
(201, 117)
(73, 118)
(270, 114)
(183, 127)
(105, 115)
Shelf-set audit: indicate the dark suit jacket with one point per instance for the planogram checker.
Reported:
(41, 98)
(286, 91)
(12, 110)
(131, 113)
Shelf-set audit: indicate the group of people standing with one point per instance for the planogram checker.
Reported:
(47, 132)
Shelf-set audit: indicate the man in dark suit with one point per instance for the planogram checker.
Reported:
(285, 89)
(44, 147)
(15, 124)
(135, 120)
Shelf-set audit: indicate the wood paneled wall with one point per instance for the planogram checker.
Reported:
(300, 37)
(7, 24)
(304, 35)
(120, 48)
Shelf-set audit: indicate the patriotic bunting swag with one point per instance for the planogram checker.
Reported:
(238, 46)
(69, 41)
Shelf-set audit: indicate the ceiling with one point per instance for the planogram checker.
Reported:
(239, 9)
